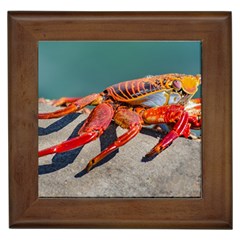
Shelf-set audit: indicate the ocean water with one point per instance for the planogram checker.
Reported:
(79, 68)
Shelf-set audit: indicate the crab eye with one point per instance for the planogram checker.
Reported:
(177, 85)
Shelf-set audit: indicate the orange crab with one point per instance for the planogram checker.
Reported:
(152, 100)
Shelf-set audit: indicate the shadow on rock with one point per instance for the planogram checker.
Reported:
(151, 132)
(61, 160)
(58, 125)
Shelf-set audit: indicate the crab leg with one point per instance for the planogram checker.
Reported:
(126, 119)
(75, 106)
(64, 100)
(181, 128)
(94, 126)
(168, 114)
(69, 144)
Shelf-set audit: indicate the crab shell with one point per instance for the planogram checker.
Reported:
(153, 91)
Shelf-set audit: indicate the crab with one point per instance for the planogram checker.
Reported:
(149, 101)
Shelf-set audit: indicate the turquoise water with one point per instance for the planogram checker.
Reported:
(79, 68)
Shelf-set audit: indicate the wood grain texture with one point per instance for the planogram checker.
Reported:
(213, 210)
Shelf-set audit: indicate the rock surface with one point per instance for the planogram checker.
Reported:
(176, 172)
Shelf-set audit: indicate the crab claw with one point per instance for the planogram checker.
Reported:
(94, 126)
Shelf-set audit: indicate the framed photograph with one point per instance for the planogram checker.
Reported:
(98, 63)
(120, 119)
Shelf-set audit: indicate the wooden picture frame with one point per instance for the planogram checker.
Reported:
(212, 210)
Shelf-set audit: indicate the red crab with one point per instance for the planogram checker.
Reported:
(151, 100)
